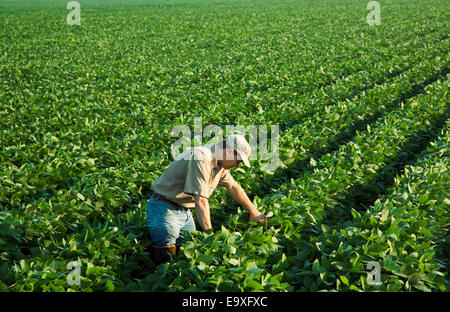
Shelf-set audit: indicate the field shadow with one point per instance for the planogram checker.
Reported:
(363, 195)
(288, 123)
(297, 168)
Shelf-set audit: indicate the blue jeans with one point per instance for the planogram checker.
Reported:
(167, 223)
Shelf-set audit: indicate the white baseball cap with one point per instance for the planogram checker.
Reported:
(240, 145)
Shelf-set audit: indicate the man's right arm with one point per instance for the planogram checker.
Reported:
(202, 212)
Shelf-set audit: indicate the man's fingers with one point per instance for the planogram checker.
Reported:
(262, 217)
(259, 219)
(265, 223)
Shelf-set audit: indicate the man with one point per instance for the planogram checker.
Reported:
(186, 185)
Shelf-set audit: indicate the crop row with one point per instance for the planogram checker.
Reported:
(320, 254)
(335, 124)
(338, 184)
(58, 159)
(413, 214)
(90, 113)
(84, 129)
(95, 192)
(51, 219)
(308, 214)
(25, 76)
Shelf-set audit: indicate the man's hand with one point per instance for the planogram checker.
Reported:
(261, 219)
(258, 218)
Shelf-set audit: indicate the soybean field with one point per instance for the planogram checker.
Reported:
(359, 200)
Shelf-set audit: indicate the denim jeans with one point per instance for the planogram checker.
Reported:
(167, 223)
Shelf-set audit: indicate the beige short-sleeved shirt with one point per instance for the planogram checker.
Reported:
(195, 171)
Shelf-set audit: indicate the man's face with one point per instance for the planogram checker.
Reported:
(231, 159)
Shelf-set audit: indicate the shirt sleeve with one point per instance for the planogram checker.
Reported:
(226, 179)
(197, 177)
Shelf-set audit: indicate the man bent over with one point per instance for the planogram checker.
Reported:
(187, 184)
